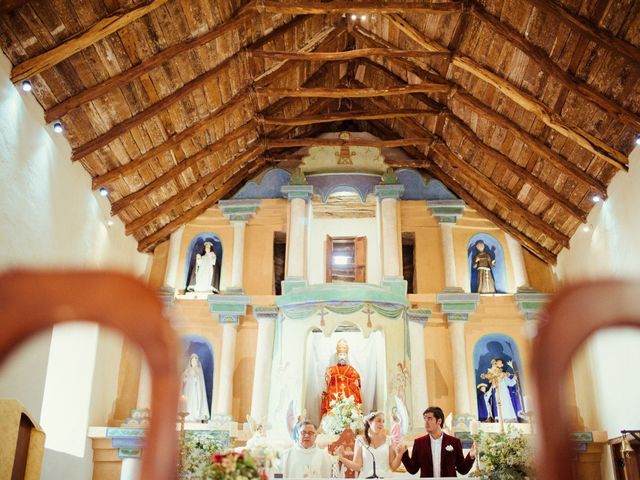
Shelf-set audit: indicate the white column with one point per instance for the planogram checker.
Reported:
(130, 469)
(450, 277)
(390, 253)
(297, 229)
(262, 374)
(517, 262)
(144, 386)
(238, 254)
(419, 390)
(227, 364)
(459, 363)
(173, 257)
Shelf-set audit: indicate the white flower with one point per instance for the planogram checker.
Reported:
(449, 448)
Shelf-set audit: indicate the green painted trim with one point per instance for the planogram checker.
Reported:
(119, 432)
(582, 437)
(468, 307)
(340, 292)
(389, 191)
(130, 452)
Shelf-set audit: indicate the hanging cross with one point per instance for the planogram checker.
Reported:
(322, 314)
(368, 311)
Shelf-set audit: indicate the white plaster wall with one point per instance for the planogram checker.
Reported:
(49, 217)
(610, 249)
(319, 228)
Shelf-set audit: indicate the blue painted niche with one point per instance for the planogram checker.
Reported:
(202, 347)
(197, 246)
(494, 249)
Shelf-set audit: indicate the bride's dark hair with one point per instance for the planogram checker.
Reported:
(367, 425)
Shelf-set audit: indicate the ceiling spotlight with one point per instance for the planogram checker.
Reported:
(103, 191)
(363, 18)
(638, 141)
(354, 16)
(596, 198)
(109, 223)
(57, 127)
(26, 86)
(586, 228)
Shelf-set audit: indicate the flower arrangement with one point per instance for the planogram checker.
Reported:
(195, 456)
(232, 466)
(344, 412)
(504, 456)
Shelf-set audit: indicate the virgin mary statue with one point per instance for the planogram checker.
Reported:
(193, 388)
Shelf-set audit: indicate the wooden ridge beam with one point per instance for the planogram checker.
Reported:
(239, 160)
(551, 68)
(602, 37)
(350, 115)
(149, 241)
(7, 6)
(327, 92)
(338, 142)
(439, 146)
(171, 142)
(426, 163)
(117, 81)
(103, 28)
(344, 55)
(180, 167)
(528, 102)
(461, 94)
(365, 8)
(120, 128)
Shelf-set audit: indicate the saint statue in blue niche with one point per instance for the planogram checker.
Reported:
(498, 375)
(205, 257)
(483, 262)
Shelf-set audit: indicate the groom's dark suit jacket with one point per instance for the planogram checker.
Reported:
(450, 461)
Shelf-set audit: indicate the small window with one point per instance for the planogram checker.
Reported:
(346, 259)
(408, 260)
(279, 253)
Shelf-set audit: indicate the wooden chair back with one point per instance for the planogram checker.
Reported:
(570, 318)
(32, 301)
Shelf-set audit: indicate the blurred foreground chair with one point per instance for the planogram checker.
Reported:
(33, 301)
(572, 316)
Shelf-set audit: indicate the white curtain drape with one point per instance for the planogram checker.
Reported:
(366, 355)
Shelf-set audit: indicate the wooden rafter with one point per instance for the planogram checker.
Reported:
(7, 6)
(345, 55)
(107, 137)
(105, 27)
(542, 59)
(501, 159)
(506, 197)
(342, 92)
(237, 162)
(462, 95)
(525, 100)
(602, 37)
(180, 167)
(121, 79)
(350, 115)
(364, 8)
(149, 241)
(426, 163)
(338, 142)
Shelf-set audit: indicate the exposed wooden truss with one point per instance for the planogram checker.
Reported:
(339, 7)
(351, 115)
(347, 55)
(325, 92)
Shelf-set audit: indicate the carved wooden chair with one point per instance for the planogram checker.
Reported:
(32, 301)
(574, 315)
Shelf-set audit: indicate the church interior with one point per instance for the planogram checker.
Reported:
(330, 199)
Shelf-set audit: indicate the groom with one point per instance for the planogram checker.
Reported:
(437, 454)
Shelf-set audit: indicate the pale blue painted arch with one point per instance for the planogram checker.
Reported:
(494, 248)
(196, 246)
(201, 346)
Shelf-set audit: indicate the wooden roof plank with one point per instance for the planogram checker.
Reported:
(339, 7)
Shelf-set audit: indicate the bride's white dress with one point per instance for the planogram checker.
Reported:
(381, 454)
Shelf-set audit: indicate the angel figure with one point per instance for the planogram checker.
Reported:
(258, 435)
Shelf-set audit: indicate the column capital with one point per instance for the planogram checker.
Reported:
(167, 295)
(228, 308)
(458, 304)
(303, 192)
(265, 312)
(530, 301)
(419, 315)
(446, 211)
(240, 210)
(389, 190)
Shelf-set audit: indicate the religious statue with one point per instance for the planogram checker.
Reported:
(483, 262)
(501, 395)
(342, 380)
(193, 388)
(202, 280)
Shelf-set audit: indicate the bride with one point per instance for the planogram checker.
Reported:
(377, 445)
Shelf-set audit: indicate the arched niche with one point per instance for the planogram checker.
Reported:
(487, 349)
(496, 252)
(202, 347)
(197, 246)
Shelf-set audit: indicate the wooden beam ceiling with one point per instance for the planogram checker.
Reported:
(345, 55)
(350, 115)
(525, 100)
(344, 92)
(339, 7)
(103, 28)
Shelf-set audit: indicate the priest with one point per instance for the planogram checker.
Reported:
(305, 459)
(342, 379)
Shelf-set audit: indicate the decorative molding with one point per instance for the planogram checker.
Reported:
(458, 306)
(397, 285)
(297, 191)
(530, 301)
(239, 210)
(292, 283)
(229, 308)
(446, 211)
(419, 315)
(265, 312)
(384, 191)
